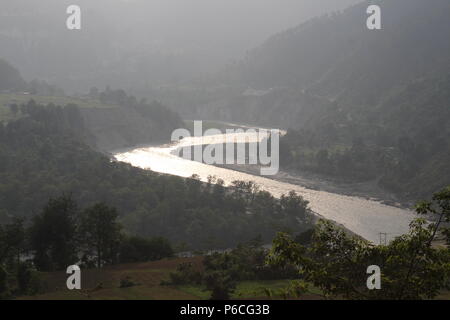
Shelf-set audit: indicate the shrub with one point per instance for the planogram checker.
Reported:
(127, 282)
(28, 280)
(185, 274)
(138, 249)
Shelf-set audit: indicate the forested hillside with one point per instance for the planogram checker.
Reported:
(113, 119)
(402, 143)
(10, 78)
(361, 104)
(336, 53)
(128, 121)
(43, 155)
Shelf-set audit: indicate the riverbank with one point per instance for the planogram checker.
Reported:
(366, 190)
(357, 210)
(369, 190)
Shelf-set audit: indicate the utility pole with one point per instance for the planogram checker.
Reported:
(383, 238)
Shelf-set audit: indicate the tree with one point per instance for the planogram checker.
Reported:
(12, 241)
(101, 233)
(94, 92)
(4, 285)
(28, 279)
(14, 108)
(337, 262)
(220, 283)
(12, 245)
(439, 207)
(137, 249)
(52, 235)
(185, 274)
(294, 205)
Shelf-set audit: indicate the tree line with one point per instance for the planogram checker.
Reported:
(61, 235)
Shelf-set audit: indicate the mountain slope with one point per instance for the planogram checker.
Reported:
(364, 104)
(330, 51)
(10, 78)
(337, 58)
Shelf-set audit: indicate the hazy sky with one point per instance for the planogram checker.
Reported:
(236, 25)
(198, 35)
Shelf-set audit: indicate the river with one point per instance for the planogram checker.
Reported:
(368, 218)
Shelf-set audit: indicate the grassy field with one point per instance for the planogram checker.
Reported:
(104, 284)
(244, 290)
(8, 98)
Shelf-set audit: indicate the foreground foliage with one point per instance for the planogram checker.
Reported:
(337, 263)
(222, 271)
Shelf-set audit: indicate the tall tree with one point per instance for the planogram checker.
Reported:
(12, 240)
(101, 233)
(53, 234)
(12, 244)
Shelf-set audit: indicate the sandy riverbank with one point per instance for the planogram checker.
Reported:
(368, 190)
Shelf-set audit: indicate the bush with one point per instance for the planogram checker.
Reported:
(185, 274)
(221, 284)
(138, 249)
(28, 280)
(127, 282)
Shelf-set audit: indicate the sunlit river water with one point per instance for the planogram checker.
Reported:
(365, 217)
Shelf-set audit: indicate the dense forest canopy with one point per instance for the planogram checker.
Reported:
(44, 154)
